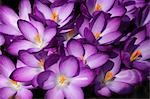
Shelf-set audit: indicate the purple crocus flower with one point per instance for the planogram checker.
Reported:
(61, 14)
(131, 6)
(36, 37)
(86, 53)
(138, 57)
(9, 18)
(102, 29)
(10, 88)
(108, 6)
(67, 81)
(112, 80)
(28, 68)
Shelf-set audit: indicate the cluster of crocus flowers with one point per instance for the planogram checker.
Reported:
(64, 46)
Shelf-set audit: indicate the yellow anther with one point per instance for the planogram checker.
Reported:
(41, 63)
(54, 16)
(135, 55)
(97, 35)
(108, 76)
(98, 7)
(13, 82)
(37, 38)
(70, 34)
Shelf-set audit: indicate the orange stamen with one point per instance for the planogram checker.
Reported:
(135, 55)
(13, 82)
(54, 16)
(98, 7)
(41, 63)
(70, 34)
(62, 79)
(97, 35)
(38, 38)
(108, 76)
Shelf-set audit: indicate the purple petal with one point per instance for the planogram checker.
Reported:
(24, 74)
(65, 11)
(106, 4)
(47, 80)
(112, 25)
(8, 16)
(117, 11)
(20, 64)
(24, 9)
(96, 60)
(89, 35)
(24, 94)
(81, 24)
(9, 30)
(104, 91)
(3, 82)
(69, 66)
(142, 65)
(39, 26)
(127, 76)
(73, 92)
(120, 87)
(54, 93)
(98, 23)
(141, 35)
(110, 37)
(145, 49)
(89, 50)
(2, 40)
(49, 33)
(28, 59)
(117, 64)
(10, 92)
(51, 60)
(45, 10)
(75, 48)
(28, 30)
(84, 78)
(19, 45)
(90, 5)
(6, 66)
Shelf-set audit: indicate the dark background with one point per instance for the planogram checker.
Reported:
(140, 92)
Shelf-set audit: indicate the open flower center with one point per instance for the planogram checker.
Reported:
(98, 7)
(135, 55)
(97, 35)
(15, 84)
(108, 76)
(83, 59)
(37, 38)
(54, 16)
(62, 80)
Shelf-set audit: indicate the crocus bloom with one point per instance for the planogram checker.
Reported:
(67, 81)
(36, 37)
(108, 6)
(10, 88)
(61, 14)
(103, 30)
(138, 57)
(28, 68)
(86, 53)
(9, 18)
(112, 80)
(131, 6)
